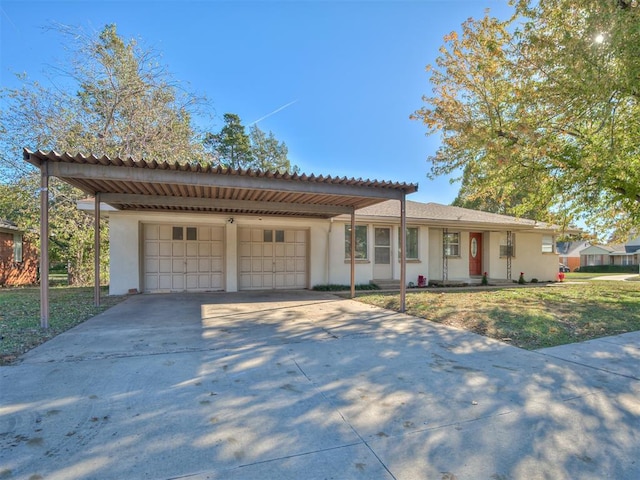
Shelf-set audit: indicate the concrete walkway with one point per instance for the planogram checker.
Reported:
(302, 385)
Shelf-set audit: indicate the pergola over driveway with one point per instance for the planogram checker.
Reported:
(148, 185)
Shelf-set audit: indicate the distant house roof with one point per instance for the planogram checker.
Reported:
(447, 215)
(571, 249)
(7, 225)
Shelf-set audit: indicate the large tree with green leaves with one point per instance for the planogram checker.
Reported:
(232, 147)
(113, 98)
(541, 112)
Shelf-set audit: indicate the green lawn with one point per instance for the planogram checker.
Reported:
(533, 317)
(20, 316)
(588, 276)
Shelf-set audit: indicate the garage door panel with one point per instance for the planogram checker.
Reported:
(165, 232)
(164, 265)
(245, 265)
(177, 265)
(192, 265)
(204, 233)
(191, 249)
(204, 249)
(151, 232)
(191, 282)
(177, 282)
(217, 234)
(152, 249)
(256, 264)
(177, 249)
(217, 265)
(164, 282)
(164, 249)
(152, 265)
(151, 281)
(216, 281)
(204, 264)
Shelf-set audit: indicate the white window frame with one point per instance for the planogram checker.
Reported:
(548, 244)
(503, 245)
(18, 251)
(417, 253)
(360, 255)
(447, 244)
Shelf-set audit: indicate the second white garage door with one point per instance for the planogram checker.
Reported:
(272, 258)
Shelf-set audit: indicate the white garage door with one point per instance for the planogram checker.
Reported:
(272, 258)
(183, 258)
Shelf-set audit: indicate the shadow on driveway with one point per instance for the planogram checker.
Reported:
(308, 385)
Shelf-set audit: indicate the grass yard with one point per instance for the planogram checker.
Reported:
(20, 316)
(530, 318)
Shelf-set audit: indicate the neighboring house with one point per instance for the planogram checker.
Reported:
(627, 254)
(18, 259)
(569, 253)
(161, 252)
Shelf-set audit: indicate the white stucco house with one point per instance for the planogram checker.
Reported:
(177, 228)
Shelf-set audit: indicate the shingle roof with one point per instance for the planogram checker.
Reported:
(446, 214)
(6, 224)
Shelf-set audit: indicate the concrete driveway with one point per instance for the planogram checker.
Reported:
(301, 385)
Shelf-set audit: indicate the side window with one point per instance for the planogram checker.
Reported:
(361, 242)
(451, 244)
(17, 248)
(411, 246)
(507, 250)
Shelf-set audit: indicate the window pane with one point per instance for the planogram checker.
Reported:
(547, 244)
(268, 236)
(361, 242)
(411, 252)
(505, 251)
(280, 236)
(177, 233)
(192, 233)
(17, 248)
(383, 236)
(383, 255)
(412, 243)
(451, 244)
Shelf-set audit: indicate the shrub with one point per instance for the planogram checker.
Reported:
(333, 287)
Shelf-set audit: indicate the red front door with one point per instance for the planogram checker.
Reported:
(475, 253)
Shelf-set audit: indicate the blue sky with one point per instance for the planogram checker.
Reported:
(335, 80)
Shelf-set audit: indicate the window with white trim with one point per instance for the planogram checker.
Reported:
(451, 244)
(547, 244)
(504, 247)
(411, 244)
(361, 242)
(17, 248)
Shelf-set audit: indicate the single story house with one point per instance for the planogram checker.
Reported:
(177, 228)
(444, 244)
(569, 253)
(626, 254)
(18, 258)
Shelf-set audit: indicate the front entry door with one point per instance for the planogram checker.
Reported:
(382, 253)
(475, 253)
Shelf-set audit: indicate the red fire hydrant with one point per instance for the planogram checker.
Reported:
(561, 276)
